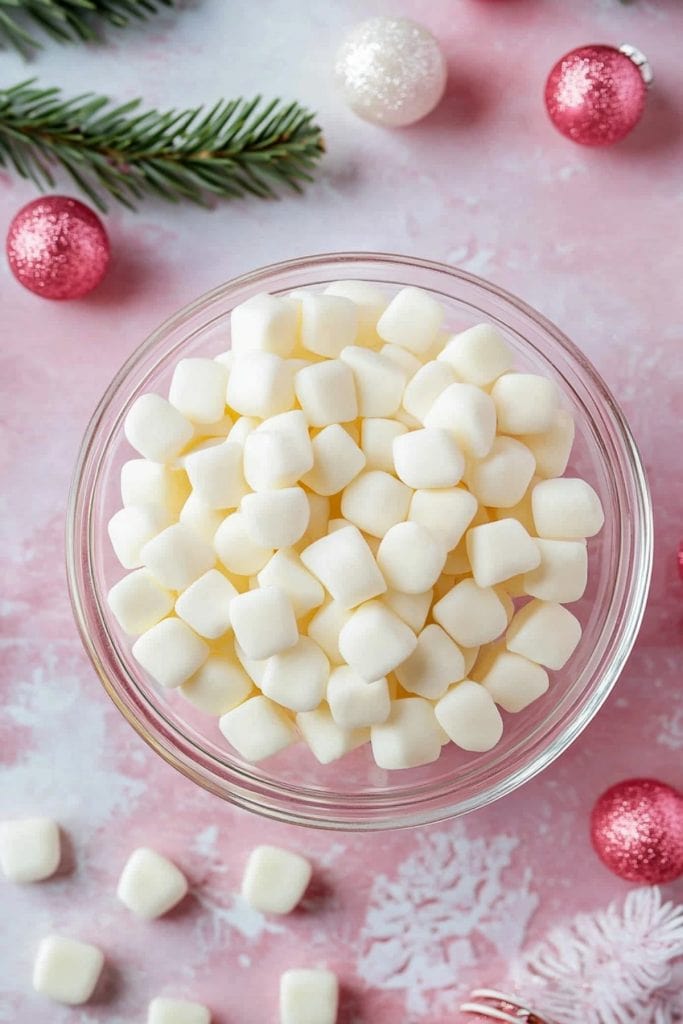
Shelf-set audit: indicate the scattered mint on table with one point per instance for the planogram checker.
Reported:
(230, 149)
(67, 20)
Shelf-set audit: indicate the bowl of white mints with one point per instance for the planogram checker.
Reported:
(359, 541)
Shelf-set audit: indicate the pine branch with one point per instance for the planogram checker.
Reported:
(67, 20)
(235, 147)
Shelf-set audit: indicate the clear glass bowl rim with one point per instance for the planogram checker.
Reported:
(282, 801)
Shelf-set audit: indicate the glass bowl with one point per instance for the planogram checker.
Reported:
(353, 793)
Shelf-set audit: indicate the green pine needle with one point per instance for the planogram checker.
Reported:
(235, 147)
(67, 20)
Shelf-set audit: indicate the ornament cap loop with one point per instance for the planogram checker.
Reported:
(640, 61)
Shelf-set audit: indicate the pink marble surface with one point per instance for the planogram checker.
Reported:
(592, 239)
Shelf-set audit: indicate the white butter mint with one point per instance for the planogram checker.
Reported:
(163, 1010)
(67, 970)
(264, 322)
(257, 729)
(308, 996)
(198, 389)
(156, 429)
(275, 880)
(30, 849)
(150, 885)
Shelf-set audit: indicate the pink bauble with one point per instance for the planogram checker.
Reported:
(595, 95)
(637, 831)
(57, 248)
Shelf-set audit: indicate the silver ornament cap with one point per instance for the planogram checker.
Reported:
(391, 71)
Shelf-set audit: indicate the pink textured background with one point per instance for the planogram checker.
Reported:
(590, 238)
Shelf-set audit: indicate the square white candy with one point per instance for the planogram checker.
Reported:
(354, 702)
(566, 509)
(328, 323)
(428, 458)
(500, 479)
(198, 389)
(205, 605)
(257, 729)
(153, 483)
(379, 382)
(30, 849)
(139, 602)
(220, 685)
(544, 632)
(410, 737)
(526, 403)
(563, 571)
(325, 627)
(345, 566)
(278, 452)
(412, 319)
(326, 740)
(514, 682)
(156, 429)
(150, 884)
(552, 448)
(216, 475)
(176, 557)
(471, 615)
(470, 415)
(445, 513)
(260, 384)
(374, 641)
(275, 880)
(163, 1010)
(412, 608)
(370, 303)
(410, 558)
(235, 548)
(425, 387)
(131, 528)
(297, 678)
(276, 519)
(201, 519)
(265, 322)
(470, 717)
(170, 652)
(478, 355)
(308, 997)
(376, 441)
(326, 393)
(435, 663)
(500, 550)
(337, 459)
(264, 622)
(67, 971)
(375, 501)
(286, 571)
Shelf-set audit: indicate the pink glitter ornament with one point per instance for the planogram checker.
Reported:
(57, 248)
(595, 95)
(637, 831)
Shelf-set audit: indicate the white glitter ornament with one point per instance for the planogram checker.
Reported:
(391, 71)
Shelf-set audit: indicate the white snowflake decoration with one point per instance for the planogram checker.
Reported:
(424, 925)
(616, 966)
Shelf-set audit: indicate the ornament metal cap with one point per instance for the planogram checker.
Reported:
(494, 1005)
(640, 61)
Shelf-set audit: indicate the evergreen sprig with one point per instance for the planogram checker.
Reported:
(232, 148)
(68, 20)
